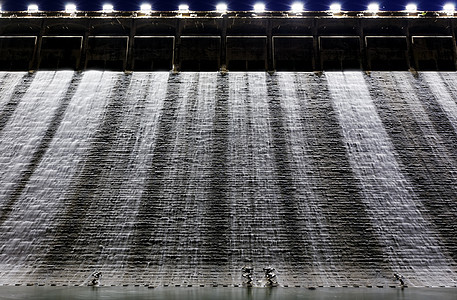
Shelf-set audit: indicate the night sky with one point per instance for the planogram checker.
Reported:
(95, 5)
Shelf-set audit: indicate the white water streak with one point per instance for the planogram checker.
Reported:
(408, 238)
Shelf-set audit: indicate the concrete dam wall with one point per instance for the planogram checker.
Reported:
(162, 179)
(234, 41)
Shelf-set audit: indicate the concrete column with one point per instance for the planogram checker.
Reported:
(452, 24)
(317, 65)
(363, 48)
(85, 45)
(177, 46)
(223, 53)
(34, 64)
(410, 58)
(270, 62)
(129, 62)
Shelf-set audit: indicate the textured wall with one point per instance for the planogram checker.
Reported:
(182, 179)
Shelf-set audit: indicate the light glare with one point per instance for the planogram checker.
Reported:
(259, 7)
(108, 8)
(145, 8)
(373, 7)
(32, 8)
(221, 7)
(183, 7)
(412, 8)
(297, 7)
(449, 8)
(335, 8)
(70, 8)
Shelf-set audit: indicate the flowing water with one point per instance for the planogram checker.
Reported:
(182, 179)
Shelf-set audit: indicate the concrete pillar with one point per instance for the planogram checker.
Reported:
(34, 64)
(317, 65)
(177, 46)
(223, 58)
(129, 61)
(84, 48)
(451, 25)
(270, 62)
(410, 58)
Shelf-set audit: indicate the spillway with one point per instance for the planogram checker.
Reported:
(163, 179)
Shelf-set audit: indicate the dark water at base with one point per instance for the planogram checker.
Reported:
(52, 293)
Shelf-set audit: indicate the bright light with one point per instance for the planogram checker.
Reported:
(221, 7)
(411, 7)
(259, 7)
(107, 8)
(183, 7)
(449, 8)
(70, 8)
(335, 8)
(297, 7)
(373, 8)
(145, 8)
(32, 8)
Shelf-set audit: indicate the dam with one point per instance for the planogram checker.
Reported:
(126, 151)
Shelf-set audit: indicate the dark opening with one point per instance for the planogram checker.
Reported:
(341, 53)
(60, 53)
(434, 53)
(246, 54)
(200, 54)
(387, 54)
(152, 53)
(16, 53)
(106, 53)
(293, 54)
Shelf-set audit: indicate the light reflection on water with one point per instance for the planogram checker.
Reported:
(67, 293)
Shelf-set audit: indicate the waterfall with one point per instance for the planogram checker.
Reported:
(181, 179)
(409, 239)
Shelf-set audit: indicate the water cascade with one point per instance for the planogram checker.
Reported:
(182, 179)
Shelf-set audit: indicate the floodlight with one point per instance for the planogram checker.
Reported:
(145, 8)
(70, 8)
(107, 8)
(297, 7)
(259, 7)
(221, 7)
(373, 8)
(32, 8)
(411, 7)
(335, 8)
(449, 8)
(183, 7)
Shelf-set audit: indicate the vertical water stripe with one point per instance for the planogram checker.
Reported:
(425, 157)
(409, 240)
(37, 211)
(136, 139)
(8, 83)
(26, 127)
(440, 90)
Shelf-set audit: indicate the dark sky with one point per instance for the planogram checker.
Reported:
(55, 5)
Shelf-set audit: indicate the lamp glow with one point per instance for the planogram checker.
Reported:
(297, 7)
(32, 8)
(70, 8)
(183, 7)
(411, 7)
(335, 8)
(449, 8)
(221, 7)
(373, 8)
(259, 7)
(145, 8)
(107, 8)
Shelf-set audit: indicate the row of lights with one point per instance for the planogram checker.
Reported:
(296, 7)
